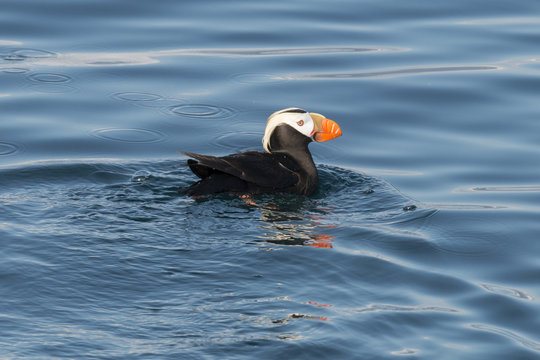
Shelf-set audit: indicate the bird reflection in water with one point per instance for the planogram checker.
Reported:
(296, 223)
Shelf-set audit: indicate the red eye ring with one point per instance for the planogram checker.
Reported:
(300, 122)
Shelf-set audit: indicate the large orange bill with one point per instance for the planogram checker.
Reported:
(329, 130)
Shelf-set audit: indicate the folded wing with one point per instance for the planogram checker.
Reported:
(276, 171)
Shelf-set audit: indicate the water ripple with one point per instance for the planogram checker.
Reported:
(441, 206)
(238, 141)
(405, 352)
(465, 244)
(277, 51)
(34, 53)
(522, 340)
(24, 54)
(136, 96)
(257, 78)
(203, 111)
(503, 188)
(12, 57)
(8, 148)
(506, 291)
(129, 135)
(14, 70)
(148, 100)
(50, 78)
(390, 72)
(399, 308)
(150, 57)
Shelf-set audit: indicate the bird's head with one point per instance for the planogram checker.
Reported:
(313, 126)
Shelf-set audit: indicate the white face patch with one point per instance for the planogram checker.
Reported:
(301, 121)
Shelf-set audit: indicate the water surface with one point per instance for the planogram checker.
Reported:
(421, 243)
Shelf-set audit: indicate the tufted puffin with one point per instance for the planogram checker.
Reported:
(285, 166)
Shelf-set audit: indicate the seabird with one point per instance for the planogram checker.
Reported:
(286, 165)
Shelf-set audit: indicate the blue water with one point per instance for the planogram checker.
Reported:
(422, 241)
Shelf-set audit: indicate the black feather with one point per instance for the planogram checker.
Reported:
(288, 168)
(250, 171)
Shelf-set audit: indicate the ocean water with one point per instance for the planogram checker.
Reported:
(422, 242)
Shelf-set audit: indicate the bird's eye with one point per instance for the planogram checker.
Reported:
(300, 122)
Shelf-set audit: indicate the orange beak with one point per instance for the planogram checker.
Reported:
(327, 130)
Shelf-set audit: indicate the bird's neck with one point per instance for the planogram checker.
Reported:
(309, 171)
(289, 141)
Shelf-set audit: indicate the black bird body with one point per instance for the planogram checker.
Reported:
(286, 167)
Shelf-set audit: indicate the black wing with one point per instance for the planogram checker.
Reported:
(263, 169)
